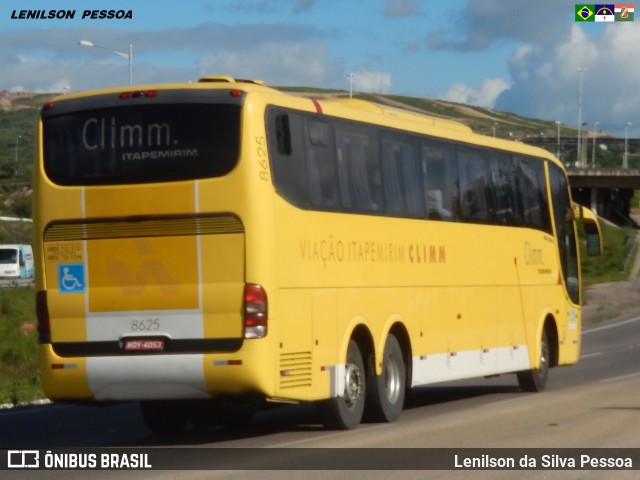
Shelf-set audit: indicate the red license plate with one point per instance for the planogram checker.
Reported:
(143, 344)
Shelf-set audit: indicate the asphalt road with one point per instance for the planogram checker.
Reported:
(594, 404)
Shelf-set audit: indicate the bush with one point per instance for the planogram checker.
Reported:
(614, 264)
(19, 374)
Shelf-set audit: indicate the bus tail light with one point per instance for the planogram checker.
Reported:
(255, 311)
(42, 314)
(138, 94)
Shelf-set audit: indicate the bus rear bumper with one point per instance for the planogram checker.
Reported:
(146, 377)
(149, 377)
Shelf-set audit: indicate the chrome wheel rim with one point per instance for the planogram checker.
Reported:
(392, 381)
(353, 384)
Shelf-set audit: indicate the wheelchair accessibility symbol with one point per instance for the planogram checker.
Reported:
(71, 278)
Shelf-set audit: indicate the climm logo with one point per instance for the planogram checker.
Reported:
(424, 253)
(101, 133)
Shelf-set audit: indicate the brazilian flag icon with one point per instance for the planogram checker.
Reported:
(585, 13)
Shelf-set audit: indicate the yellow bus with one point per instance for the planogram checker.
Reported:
(214, 246)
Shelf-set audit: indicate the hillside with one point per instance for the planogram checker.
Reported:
(481, 120)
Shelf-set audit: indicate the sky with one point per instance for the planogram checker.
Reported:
(515, 56)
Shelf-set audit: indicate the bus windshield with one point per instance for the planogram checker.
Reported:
(141, 144)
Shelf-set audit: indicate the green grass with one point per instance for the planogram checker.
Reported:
(614, 265)
(19, 375)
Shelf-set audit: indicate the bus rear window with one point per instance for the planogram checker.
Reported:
(141, 144)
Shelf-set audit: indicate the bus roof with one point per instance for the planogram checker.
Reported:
(401, 113)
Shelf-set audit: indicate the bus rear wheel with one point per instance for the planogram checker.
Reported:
(535, 380)
(345, 412)
(385, 392)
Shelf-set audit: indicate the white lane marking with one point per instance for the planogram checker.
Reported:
(590, 355)
(612, 325)
(329, 436)
(621, 377)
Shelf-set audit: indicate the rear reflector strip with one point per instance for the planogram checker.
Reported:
(63, 366)
(224, 363)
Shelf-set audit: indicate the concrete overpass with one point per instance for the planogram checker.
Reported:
(608, 191)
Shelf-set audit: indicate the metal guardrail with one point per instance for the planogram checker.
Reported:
(604, 172)
(16, 283)
(15, 219)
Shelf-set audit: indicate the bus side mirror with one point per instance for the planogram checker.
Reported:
(592, 232)
(594, 244)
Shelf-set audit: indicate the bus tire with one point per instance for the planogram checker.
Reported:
(535, 380)
(386, 392)
(345, 412)
(164, 417)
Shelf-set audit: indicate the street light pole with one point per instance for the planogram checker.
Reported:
(350, 75)
(580, 72)
(625, 158)
(558, 123)
(128, 55)
(15, 165)
(593, 150)
(130, 64)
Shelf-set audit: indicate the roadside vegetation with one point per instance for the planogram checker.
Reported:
(619, 251)
(19, 376)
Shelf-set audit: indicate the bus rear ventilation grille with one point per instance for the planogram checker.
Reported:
(295, 370)
(155, 227)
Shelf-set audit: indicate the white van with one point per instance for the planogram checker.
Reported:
(16, 262)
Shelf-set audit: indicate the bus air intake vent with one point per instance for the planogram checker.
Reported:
(228, 79)
(152, 227)
(295, 370)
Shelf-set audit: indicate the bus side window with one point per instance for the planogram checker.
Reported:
(564, 222)
(315, 183)
(287, 157)
(360, 175)
(359, 169)
(400, 176)
(391, 174)
(283, 134)
(502, 177)
(343, 150)
(474, 184)
(319, 159)
(413, 187)
(440, 177)
(532, 190)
